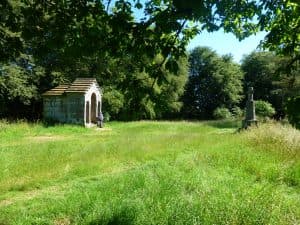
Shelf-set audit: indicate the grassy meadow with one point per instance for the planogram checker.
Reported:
(149, 173)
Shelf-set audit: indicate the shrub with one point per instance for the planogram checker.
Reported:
(237, 112)
(293, 111)
(264, 109)
(222, 113)
(106, 117)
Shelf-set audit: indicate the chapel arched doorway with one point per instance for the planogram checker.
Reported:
(87, 112)
(93, 108)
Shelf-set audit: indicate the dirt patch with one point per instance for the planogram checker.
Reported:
(103, 129)
(5, 202)
(62, 221)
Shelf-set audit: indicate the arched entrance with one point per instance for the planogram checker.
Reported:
(99, 109)
(93, 108)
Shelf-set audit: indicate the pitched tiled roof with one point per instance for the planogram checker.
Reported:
(80, 85)
(59, 90)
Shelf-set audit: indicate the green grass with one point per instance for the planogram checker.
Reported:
(149, 173)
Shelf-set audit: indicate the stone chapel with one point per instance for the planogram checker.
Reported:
(79, 102)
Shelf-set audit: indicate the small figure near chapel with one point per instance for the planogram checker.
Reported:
(100, 120)
(250, 110)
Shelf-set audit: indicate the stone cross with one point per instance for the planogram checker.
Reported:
(250, 93)
(250, 110)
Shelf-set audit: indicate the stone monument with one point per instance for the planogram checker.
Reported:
(250, 110)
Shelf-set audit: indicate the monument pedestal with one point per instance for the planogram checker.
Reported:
(249, 123)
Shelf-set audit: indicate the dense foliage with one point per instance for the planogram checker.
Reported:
(45, 43)
(293, 111)
(264, 109)
(136, 95)
(222, 113)
(283, 32)
(214, 82)
(265, 72)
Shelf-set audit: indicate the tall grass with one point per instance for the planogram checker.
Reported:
(149, 173)
(283, 142)
(276, 138)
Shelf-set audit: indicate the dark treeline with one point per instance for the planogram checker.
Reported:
(204, 82)
(141, 63)
(216, 82)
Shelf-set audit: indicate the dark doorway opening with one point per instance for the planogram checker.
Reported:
(93, 108)
(87, 112)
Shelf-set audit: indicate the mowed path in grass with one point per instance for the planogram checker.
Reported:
(149, 173)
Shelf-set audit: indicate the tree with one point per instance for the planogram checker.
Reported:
(282, 22)
(293, 111)
(263, 71)
(17, 91)
(10, 40)
(144, 98)
(83, 27)
(68, 39)
(214, 82)
(260, 72)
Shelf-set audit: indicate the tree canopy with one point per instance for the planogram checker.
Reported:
(214, 82)
(283, 27)
(264, 71)
(47, 42)
(86, 27)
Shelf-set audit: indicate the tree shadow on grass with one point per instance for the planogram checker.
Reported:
(225, 124)
(48, 122)
(122, 217)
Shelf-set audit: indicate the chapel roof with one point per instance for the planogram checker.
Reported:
(59, 90)
(80, 85)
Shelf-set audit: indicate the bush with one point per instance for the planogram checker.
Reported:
(113, 102)
(237, 112)
(264, 109)
(293, 111)
(222, 113)
(106, 117)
